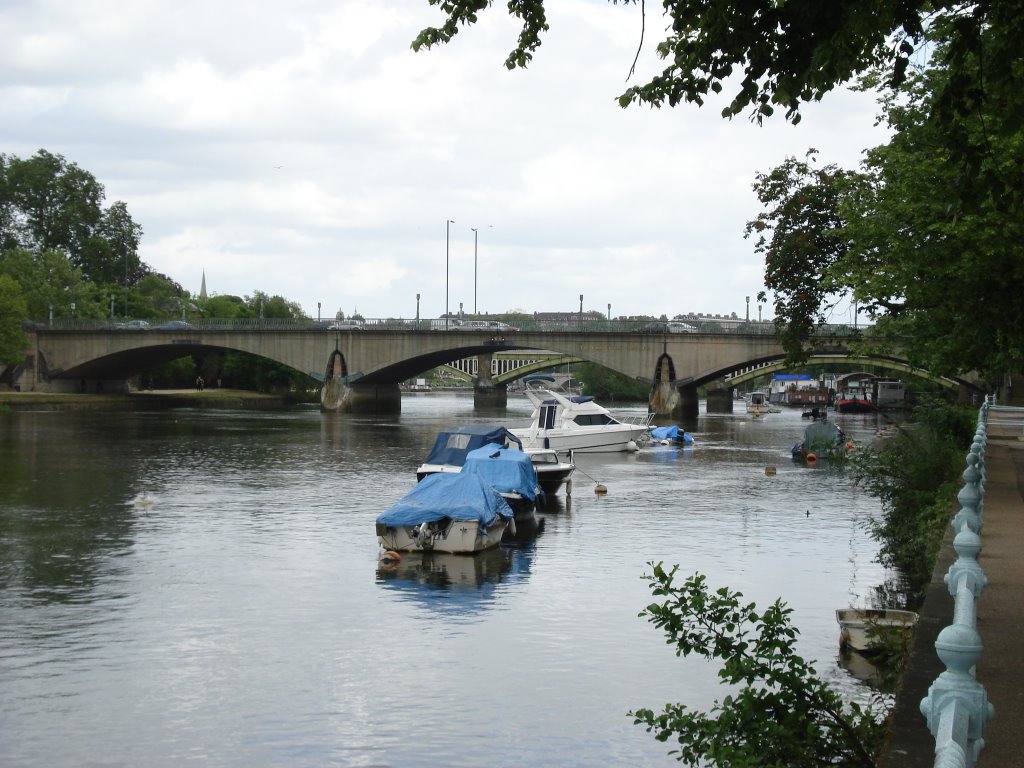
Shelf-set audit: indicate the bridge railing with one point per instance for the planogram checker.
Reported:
(583, 325)
(956, 706)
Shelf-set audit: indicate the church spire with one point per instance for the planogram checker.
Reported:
(202, 289)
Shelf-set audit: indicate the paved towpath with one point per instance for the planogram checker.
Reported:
(1000, 621)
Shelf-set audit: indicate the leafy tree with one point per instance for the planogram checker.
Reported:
(48, 280)
(779, 712)
(156, 296)
(910, 238)
(933, 217)
(781, 54)
(264, 306)
(47, 203)
(224, 307)
(606, 384)
(12, 312)
(58, 202)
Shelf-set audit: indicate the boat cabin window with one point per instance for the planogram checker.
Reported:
(459, 442)
(547, 416)
(593, 419)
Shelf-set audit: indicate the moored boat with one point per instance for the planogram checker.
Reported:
(451, 448)
(457, 513)
(822, 440)
(861, 629)
(854, 405)
(672, 435)
(577, 423)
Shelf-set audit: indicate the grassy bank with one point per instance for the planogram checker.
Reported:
(166, 398)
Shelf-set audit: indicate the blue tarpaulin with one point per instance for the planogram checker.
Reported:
(455, 495)
(673, 433)
(451, 447)
(508, 470)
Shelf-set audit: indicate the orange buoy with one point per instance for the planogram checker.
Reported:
(812, 458)
(390, 557)
(769, 470)
(600, 489)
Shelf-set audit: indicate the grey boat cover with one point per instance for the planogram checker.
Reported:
(822, 436)
(454, 495)
(507, 470)
(452, 447)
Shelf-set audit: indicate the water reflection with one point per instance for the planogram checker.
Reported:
(451, 584)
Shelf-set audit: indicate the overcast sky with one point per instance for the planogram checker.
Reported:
(302, 149)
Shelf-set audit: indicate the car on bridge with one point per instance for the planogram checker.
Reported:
(133, 325)
(487, 326)
(346, 325)
(673, 326)
(173, 325)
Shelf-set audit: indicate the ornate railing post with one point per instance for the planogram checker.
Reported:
(957, 706)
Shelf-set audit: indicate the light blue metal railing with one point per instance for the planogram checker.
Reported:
(957, 706)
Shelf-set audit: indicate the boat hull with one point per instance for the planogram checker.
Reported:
(858, 627)
(457, 537)
(855, 406)
(623, 437)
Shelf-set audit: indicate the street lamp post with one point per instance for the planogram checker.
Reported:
(581, 310)
(447, 239)
(748, 309)
(475, 238)
(417, 310)
(609, 313)
(318, 312)
(111, 306)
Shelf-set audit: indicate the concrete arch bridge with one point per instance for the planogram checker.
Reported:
(362, 370)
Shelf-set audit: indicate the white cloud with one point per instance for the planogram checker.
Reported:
(186, 109)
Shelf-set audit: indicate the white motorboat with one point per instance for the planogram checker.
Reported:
(860, 628)
(553, 473)
(577, 423)
(759, 404)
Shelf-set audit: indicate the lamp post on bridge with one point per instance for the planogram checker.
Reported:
(581, 311)
(609, 312)
(447, 239)
(318, 312)
(417, 310)
(475, 236)
(748, 309)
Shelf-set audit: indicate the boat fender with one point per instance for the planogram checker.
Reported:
(600, 489)
(664, 442)
(632, 446)
(512, 526)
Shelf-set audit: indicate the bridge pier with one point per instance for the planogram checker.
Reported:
(490, 397)
(720, 400)
(486, 394)
(689, 404)
(680, 402)
(336, 396)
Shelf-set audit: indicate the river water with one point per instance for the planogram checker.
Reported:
(202, 587)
